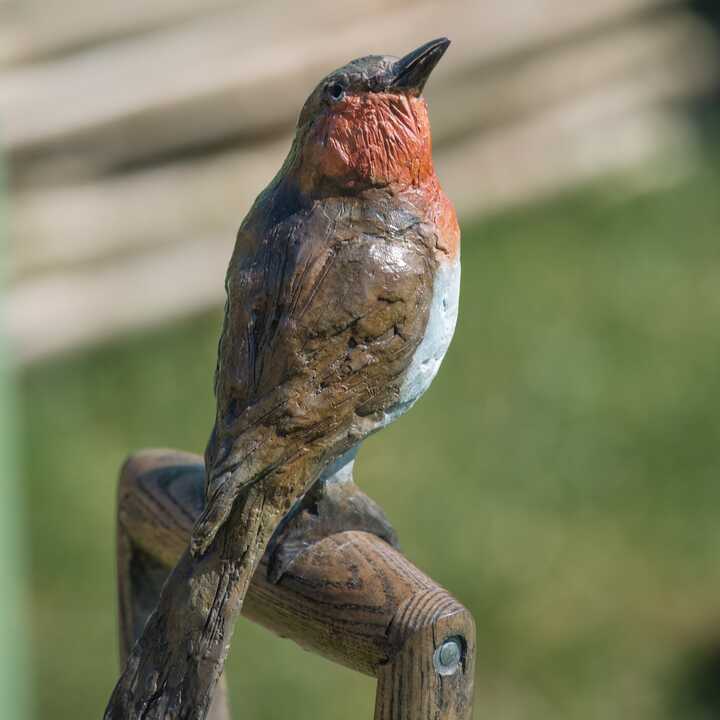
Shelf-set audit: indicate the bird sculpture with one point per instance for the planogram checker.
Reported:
(342, 299)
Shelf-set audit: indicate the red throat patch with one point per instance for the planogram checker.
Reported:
(373, 138)
(381, 139)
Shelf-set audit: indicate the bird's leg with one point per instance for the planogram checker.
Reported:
(333, 504)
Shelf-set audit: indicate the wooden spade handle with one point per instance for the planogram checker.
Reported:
(349, 597)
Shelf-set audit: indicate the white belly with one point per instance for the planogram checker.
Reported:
(438, 334)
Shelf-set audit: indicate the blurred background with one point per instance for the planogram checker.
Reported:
(560, 477)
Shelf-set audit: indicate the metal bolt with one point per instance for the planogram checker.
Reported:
(448, 656)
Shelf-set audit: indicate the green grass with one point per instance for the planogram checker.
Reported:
(560, 477)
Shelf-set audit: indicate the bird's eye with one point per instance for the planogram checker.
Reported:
(336, 91)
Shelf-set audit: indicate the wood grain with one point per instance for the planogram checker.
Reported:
(349, 597)
(409, 686)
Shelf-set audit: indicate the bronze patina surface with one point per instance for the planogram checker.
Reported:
(337, 297)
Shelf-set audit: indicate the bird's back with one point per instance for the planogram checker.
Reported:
(326, 309)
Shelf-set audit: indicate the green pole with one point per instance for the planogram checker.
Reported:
(13, 642)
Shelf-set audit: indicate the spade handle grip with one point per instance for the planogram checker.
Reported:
(349, 597)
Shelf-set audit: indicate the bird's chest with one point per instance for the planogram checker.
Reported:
(442, 318)
(426, 360)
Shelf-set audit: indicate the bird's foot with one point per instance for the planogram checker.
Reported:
(329, 507)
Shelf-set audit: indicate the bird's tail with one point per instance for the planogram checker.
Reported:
(174, 666)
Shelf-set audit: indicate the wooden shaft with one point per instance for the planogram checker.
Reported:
(349, 597)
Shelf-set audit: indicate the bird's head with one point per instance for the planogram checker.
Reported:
(366, 125)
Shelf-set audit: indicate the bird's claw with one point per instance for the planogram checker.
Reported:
(329, 507)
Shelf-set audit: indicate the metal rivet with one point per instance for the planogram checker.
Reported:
(448, 656)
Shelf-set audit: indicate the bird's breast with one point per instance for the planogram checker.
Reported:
(426, 361)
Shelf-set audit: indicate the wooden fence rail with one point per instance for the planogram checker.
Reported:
(138, 138)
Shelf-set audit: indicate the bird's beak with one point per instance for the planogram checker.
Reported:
(412, 71)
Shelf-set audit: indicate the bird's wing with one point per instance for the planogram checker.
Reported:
(322, 319)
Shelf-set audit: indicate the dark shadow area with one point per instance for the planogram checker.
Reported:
(706, 109)
(699, 689)
(709, 10)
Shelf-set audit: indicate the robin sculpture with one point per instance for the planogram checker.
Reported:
(342, 291)
(342, 298)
